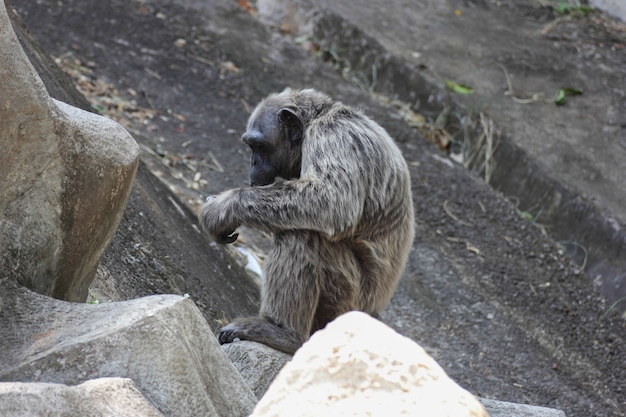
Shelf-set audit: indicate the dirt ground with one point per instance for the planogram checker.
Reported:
(562, 161)
(497, 302)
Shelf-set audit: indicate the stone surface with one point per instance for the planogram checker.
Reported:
(103, 397)
(615, 7)
(258, 364)
(65, 176)
(506, 409)
(162, 343)
(359, 366)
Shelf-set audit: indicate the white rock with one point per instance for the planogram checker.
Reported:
(357, 366)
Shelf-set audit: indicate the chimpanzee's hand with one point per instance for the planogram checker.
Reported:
(216, 218)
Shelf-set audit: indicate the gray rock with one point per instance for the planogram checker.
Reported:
(506, 409)
(105, 397)
(258, 364)
(161, 342)
(616, 8)
(65, 177)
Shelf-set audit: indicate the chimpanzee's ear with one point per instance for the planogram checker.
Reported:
(292, 122)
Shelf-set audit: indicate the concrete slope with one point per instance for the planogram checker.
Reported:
(563, 165)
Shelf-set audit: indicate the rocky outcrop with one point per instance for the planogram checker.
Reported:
(60, 359)
(164, 346)
(161, 342)
(65, 176)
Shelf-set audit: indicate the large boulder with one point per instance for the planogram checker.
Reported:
(163, 343)
(65, 176)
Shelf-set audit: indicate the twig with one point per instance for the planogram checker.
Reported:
(453, 216)
(534, 98)
(578, 245)
(246, 106)
(487, 125)
(606, 313)
(202, 59)
(153, 73)
(216, 164)
(549, 26)
(474, 151)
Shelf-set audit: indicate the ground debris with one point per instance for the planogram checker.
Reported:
(103, 96)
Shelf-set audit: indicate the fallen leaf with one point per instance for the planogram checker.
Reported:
(245, 5)
(472, 248)
(229, 66)
(566, 8)
(459, 88)
(559, 98)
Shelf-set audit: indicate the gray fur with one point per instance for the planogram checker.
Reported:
(341, 215)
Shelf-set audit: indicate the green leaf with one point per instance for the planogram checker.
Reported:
(559, 98)
(459, 88)
(572, 91)
(526, 215)
(585, 10)
(98, 107)
(566, 8)
(562, 8)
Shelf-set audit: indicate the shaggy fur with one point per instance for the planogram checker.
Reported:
(335, 191)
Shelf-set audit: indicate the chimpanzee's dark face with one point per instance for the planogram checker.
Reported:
(275, 137)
